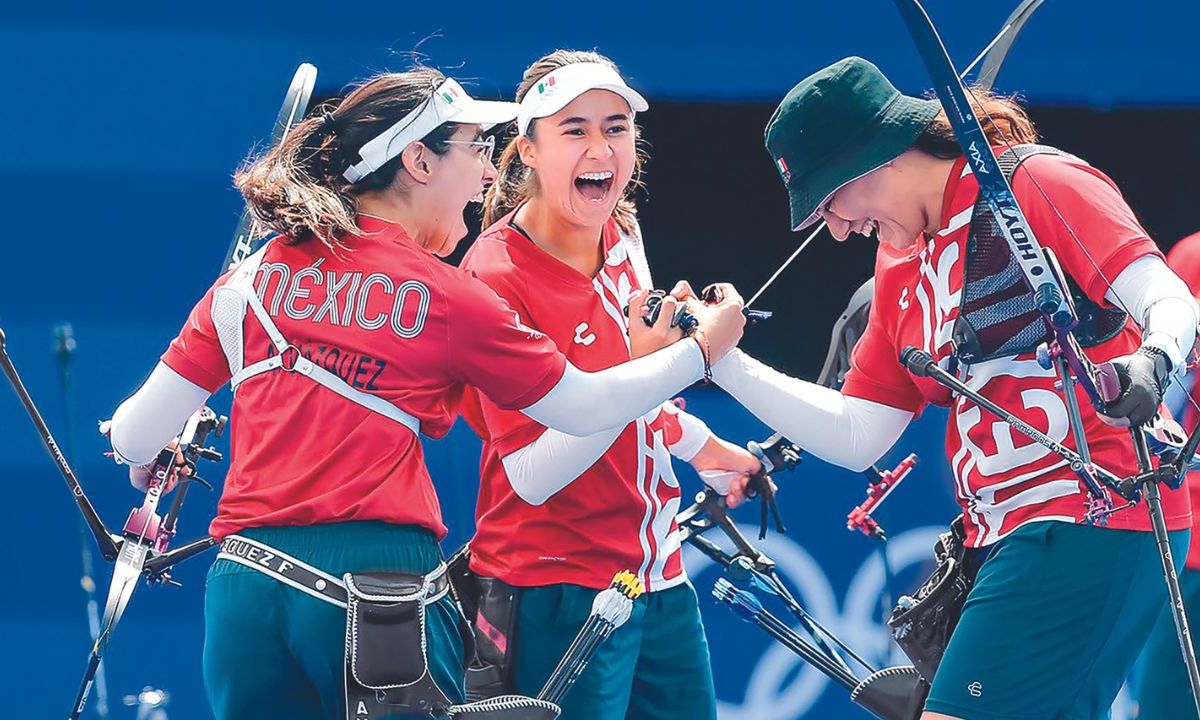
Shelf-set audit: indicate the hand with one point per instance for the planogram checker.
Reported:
(683, 291)
(726, 468)
(721, 323)
(645, 339)
(1143, 376)
(141, 476)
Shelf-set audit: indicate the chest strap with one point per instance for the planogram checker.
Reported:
(288, 357)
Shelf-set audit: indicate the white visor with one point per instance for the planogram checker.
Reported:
(555, 91)
(449, 103)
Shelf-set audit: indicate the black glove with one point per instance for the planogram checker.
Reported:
(1143, 376)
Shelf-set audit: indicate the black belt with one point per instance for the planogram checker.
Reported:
(306, 578)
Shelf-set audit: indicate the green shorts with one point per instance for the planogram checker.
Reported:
(1160, 684)
(271, 651)
(1057, 617)
(655, 666)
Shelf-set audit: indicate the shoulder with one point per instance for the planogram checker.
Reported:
(495, 259)
(1066, 173)
(495, 252)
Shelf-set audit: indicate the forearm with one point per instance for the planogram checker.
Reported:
(846, 431)
(584, 403)
(152, 417)
(553, 461)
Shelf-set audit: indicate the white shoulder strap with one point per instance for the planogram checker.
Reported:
(637, 256)
(239, 292)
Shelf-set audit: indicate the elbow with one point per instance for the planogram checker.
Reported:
(531, 496)
(524, 481)
(860, 459)
(859, 464)
(860, 456)
(124, 444)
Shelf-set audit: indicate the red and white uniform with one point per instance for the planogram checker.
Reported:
(1003, 479)
(1184, 259)
(390, 320)
(620, 512)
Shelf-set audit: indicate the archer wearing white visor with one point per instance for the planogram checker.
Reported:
(558, 515)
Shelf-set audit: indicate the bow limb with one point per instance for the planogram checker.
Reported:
(994, 54)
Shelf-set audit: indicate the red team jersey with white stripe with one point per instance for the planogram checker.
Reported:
(1004, 480)
(620, 513)
(389, 319)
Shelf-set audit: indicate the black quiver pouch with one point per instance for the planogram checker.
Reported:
(922, 623)
(491, 607)
(387, 668)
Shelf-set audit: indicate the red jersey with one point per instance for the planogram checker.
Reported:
(620, 512)
(391, 320)
(1003, 479)
(1184, 259)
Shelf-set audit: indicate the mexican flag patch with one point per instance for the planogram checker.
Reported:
(783, 169)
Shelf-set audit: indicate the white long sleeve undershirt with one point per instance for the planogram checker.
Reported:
(842, 430)
(1161, 305)
(583, 403)
(854, 433)
(154, 415)
(149, 419)
(555, 460)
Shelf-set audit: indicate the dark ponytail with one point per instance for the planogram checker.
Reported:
(296, 188)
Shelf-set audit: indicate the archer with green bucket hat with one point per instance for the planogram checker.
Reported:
(1060, 608)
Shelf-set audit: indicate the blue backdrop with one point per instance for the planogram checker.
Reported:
(122, 125)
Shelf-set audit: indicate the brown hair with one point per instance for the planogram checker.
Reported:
(296, 187)
(1004, 122)
(517, 183)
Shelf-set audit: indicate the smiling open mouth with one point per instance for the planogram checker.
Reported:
(594, 186)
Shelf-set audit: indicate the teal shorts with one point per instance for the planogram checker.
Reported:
(271, 651)
(1058, 614)
(655, 666)
(1161, 688)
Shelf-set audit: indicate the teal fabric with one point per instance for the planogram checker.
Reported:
(1057, 617)
(271, 651)
(1161, 688)
(654, 667)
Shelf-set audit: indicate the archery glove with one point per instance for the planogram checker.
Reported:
(1143, 378)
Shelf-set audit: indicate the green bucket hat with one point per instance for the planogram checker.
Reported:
(837, 125)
